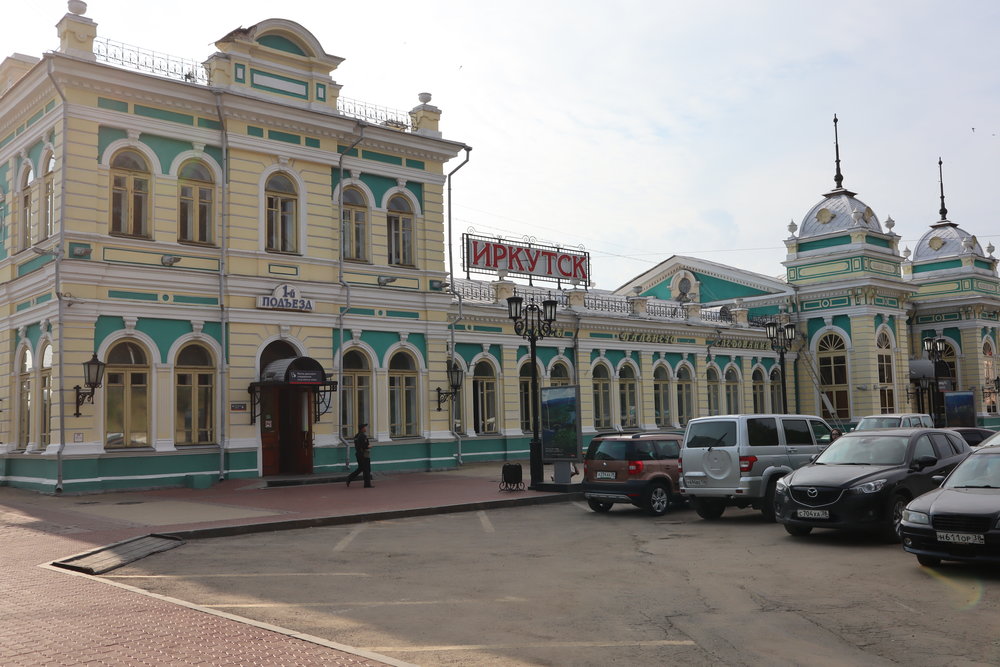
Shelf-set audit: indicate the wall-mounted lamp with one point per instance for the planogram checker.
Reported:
(169, 260)
(82, 251)
(454, 381)
(385, 280)
(93, 375)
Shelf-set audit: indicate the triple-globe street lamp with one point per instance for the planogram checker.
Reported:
(533, 322)
(781, 338)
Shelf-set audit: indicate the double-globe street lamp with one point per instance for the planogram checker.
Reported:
(935, 349)
(533, 322)
(781, 338)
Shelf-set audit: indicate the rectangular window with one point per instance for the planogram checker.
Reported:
(627, 404)
(602, 404)
(400, 240)
(797, 432)
(353, 231)
(281, 228)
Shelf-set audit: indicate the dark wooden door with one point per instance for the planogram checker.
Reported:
(270, 440)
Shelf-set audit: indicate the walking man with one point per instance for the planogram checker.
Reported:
(362, 450)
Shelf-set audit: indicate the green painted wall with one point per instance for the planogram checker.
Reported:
(717, 289)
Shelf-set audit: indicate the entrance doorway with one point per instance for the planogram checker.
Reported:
(286, 432)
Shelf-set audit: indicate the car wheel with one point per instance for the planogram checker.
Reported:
(599, 506)
(894, 515)
(798, 531)
(928, 561)
(708, 508)
(767, 509)
(657, 500)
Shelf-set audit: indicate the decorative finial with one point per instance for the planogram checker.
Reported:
(906, 252)
(792, 226)
(990, 249)
(943, 211)
(424, 98)
(890, 223)
(78, 7)
(838, 178)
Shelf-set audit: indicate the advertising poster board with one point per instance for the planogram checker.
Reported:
(560, 428)
(959, 408)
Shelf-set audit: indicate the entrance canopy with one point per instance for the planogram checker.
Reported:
(299, 372)
(296, 370)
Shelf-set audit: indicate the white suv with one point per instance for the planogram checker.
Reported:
(735, 460)
(904, 420)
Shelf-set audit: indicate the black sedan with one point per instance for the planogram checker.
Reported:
(974, 435)
(864, 480)
(959, 520)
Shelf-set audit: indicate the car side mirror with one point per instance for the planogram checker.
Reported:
(922, 462)
(938, 479)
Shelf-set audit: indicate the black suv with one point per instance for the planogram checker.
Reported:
(864, 480)
(640, 469)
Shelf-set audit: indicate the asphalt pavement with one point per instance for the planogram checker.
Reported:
(54, 615)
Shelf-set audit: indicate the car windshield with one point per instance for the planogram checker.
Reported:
(992, 440)
(715, 433)
(877, 422)
(976, 472)
(607, 450)
(867, 449)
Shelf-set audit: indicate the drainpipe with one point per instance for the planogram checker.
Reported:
(223, 280)
(339, 223)
(458, 316)
(60, 303)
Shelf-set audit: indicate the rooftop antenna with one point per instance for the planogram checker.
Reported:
(838, 178)
(943, 211)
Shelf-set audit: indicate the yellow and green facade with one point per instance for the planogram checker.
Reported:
(234, 238)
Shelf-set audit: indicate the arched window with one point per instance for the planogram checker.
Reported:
(196, 192)
(602, 397)
(777, 404)
(661, 396)
(524, 393)
(484, 393)
(831, 354)
(989, 374)
(732, 391)
(886, 378)
(126, 397)
(355, 393)
(194, 397)
(26, 197)
(685, 396)
(354, 230)
(759, 401)
(45, 384)
(627, 402)
(402, 396)
(714, 390)
(559, 375)
(48, 225)
(26, 370)
(130, 178)
(400, 231)
(282, 214)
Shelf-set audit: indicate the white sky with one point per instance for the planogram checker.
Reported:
(643, 129)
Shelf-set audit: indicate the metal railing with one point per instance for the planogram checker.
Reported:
(150, 62)
(608, 304)
(372, 113)
(716, 316)
(471, 291)
(666, 311)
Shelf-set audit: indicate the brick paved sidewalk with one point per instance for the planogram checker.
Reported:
(50, 616)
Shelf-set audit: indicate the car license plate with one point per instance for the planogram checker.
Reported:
(813, 514)
(961, 538)
(605, 474)
(695, 481)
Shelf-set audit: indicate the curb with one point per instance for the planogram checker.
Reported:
(296, 524)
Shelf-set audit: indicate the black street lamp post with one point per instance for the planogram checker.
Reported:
(533, 322)
(781, 338)
(935, 347)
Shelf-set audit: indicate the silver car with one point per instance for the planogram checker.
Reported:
(736, 460)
